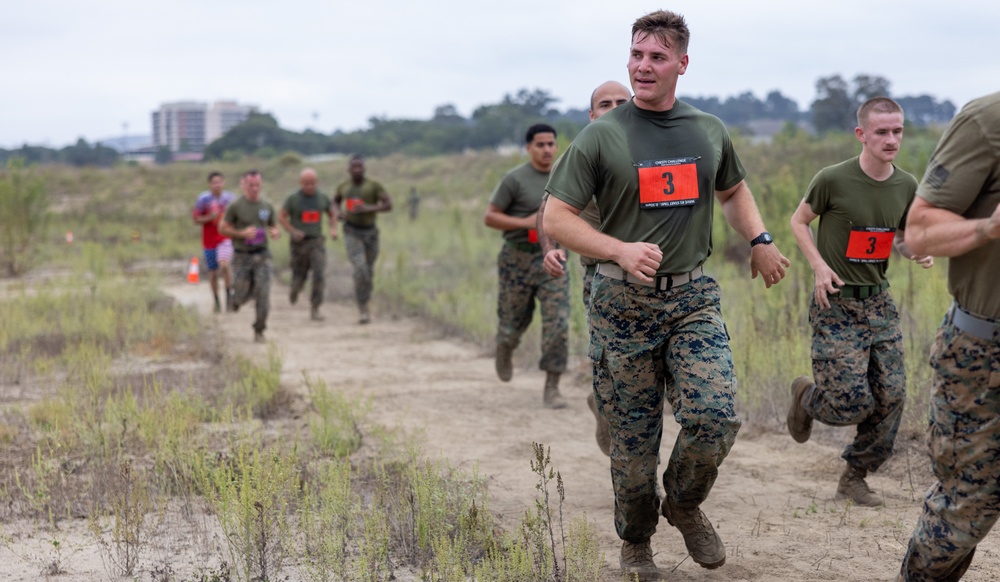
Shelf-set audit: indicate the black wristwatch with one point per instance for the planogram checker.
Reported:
(763, 238)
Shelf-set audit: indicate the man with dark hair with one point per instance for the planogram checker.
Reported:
(655, 168)
(302, 216)
(522, 278)
(250, 221)
(956, 214)
(857, 342)
(364, 199)
(208, 211)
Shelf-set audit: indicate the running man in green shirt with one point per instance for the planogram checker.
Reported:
(859, 376)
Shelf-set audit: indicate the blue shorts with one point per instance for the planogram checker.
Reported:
(222, 253)
(210, 262)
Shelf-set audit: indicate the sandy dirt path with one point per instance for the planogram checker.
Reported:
(773, 503)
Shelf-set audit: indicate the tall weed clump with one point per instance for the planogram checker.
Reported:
(24, 215)
(335, 424)
(256, 390)
(252, 493)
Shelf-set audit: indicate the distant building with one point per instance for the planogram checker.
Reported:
(189, 126)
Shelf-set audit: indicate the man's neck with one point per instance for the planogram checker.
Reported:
(542, 169)
(875, 169)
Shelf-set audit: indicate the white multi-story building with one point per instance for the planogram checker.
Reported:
(189, 126)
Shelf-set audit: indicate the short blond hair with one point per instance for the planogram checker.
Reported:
(668, 27)
(876, 105)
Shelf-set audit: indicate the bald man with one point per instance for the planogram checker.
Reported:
(302, 216)
(605, 97)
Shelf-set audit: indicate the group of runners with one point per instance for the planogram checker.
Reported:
(633, 195)
(235, 234)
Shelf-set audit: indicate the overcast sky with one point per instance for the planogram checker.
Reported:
(87, 68)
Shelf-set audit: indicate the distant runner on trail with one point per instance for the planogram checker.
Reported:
(250, 221)
(363, 199)
(957, 214)
(522, 278)
(208, 211)
(605, 97)
(302, 217)
(655, 168)
(859, 377)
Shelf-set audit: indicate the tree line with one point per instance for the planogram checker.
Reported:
(492, 125)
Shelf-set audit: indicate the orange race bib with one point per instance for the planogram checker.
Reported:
(310, 216)
(353, 203)
(667, 183)
(870, 244)
(532, 235)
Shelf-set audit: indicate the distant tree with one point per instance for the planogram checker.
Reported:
(924, 110)
(24, 212)
(777, 106)
(83, 154)
(836, 104)
(163, 155)
(832, 110)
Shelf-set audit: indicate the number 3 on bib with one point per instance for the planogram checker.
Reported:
(667, 183)
(870, 244)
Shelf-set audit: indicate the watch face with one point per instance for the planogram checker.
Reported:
(766, 238)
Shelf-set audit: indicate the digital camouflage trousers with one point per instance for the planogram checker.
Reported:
(252, 280)
(362, 246)
(309, 255)
(522, 281)
(857, 360)
(964, 442)
(650, 348)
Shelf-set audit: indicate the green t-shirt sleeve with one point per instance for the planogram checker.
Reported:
(230, 215)
(818, 194)
(505, 192)
(731, 170)
(573, 180)
(959, 166)
(289, 205)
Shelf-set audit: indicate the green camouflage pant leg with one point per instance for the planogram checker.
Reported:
(553, 300)
(701, 389)
(252, 280)
(362, 250)
(964, 442)
(515, 295)
(309, 255)
(857, 359)
(648, 346)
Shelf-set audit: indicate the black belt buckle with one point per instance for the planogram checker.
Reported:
(669, 279)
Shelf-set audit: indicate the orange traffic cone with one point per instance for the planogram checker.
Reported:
(193, 270)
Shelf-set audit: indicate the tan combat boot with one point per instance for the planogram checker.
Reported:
(366, 316)
(551, 397)
(315, 315)
(637, 559)
(852, 485)
(800, 424)
(703, 544)
(602, 433)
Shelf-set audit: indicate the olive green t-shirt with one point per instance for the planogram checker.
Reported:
(306, 212)
(653, 176)
(859, 218)
(367, 192)
(963, 176)
(519, 194)
(244, 213)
